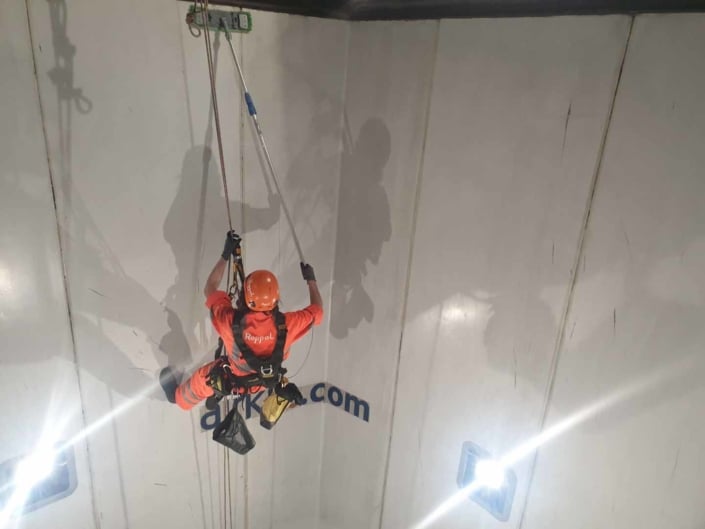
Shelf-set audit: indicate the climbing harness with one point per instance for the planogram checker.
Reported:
(268, 371)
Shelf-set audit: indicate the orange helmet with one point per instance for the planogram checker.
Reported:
(261, 290)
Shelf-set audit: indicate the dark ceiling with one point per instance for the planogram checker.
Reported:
(420, 9)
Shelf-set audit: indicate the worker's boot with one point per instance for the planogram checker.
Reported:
(169, 381)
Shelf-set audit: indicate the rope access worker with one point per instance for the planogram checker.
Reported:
(257, 337)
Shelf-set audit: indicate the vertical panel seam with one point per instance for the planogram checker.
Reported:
(64, 276)
(560, 338)
(410, 256)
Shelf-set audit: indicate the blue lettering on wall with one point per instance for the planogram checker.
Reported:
(335, 396)
(314, 392)
(351, 400)
(320, 392)
(206, 423)
(251, 403)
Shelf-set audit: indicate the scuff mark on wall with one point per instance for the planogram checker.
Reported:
(565, 129)
(675, 466)
(626, 238)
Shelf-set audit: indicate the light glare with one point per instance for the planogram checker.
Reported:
(34, 468)
(490, 474)
(6, 283)
(39, 465)
(528, 448)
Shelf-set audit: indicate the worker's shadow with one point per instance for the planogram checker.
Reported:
(364, 224)
(351, 214)
(195, 228)
(101, 292)
(361, 223)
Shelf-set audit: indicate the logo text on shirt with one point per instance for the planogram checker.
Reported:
(258, 339)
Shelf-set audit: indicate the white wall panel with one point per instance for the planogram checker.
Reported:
(132, 144)
(639, 306)
(388, 77)
(112, 83)
(295, 69)
(39, 387)
(517, 114)
(516, 111)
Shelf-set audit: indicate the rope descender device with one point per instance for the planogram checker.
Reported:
(238, 269)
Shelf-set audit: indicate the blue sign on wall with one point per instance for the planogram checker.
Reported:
(321, 392)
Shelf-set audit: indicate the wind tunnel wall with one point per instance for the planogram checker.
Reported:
(527, 256)
(133, 159)
(496, 254)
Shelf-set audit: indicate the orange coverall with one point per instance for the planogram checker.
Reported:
(259, 333)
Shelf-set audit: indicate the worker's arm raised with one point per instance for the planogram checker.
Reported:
(315, 294)
(216, 275)
(310, 278)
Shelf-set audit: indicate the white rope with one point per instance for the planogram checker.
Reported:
(216, 113)
(227, 491)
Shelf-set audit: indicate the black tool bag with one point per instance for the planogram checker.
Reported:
(233, 433)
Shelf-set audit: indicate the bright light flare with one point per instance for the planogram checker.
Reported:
(34, 468)
(40, 464)
(639, 386)
(465, 309)
(6, 282)
(30, 471)
(490, 473)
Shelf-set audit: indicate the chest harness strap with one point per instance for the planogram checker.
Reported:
(268, 370)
